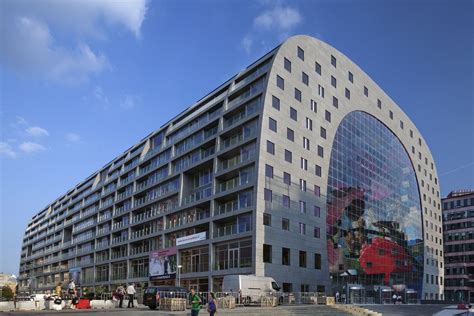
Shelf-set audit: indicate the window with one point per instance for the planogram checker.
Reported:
(366, 91)
(305, 78)
(267, 219)
(268, 171)
(303, 185)
(302, 228)
(306, 144)
(318, 68)
(288, 156)
(317, 211)
(267, 253)
(268, 195)
(317, 232)
(309, 123)
(297, 94)
(287, 64)
(327, 116)
(286, 201)
(293, 114)
(401, 124)
(411, 135)
(335, 102)
(302, 207)
(280, 83)
(314, 106)
(390, 114)
(287, 178)
(321, 91)
(320, 151)
(285, 256)
(270, 147)
(351, 77)
(323, 132)
(317, 261)
(379, 103)
(317, 190)
(290, 134)
(333, 61)
(317, 170)
(302, 259)
(300, 53)
(333, 82)
(348, 94)
(304, 163)
(285, 224)
(276, 103)
(272, 124)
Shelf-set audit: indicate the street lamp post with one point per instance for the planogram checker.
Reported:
(179, 274)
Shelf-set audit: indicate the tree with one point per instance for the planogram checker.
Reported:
(7, 292)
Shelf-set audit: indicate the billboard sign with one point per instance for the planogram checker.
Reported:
(163, 264)
(191, 238)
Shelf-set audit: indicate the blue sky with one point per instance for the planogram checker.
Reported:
(83, 81)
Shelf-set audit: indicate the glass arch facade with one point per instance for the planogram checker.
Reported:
(374, 221)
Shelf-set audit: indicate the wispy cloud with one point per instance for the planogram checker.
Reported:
(31, 147)
(279, 18)
(130, 101)
(6, 150)
(37, 131)
(73, 138)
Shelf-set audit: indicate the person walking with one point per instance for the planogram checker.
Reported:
(120, 294)
(337, 297)
(58, 289)
(211, 304)
(71, 288)
(195, 303)
(131, 293)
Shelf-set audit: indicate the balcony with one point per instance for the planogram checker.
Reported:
(119, 239)
(198, 195)
(238, 138)
(234, 183)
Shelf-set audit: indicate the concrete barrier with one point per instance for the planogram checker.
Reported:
(356, 310)
(7, 306)
(101, 304)
(29, 305)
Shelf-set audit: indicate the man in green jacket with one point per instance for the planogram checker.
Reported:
(195, 303)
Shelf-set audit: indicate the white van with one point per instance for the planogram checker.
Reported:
(250, 285)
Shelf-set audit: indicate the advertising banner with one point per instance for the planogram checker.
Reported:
(191, 238)
(163, 264)
(75, 274)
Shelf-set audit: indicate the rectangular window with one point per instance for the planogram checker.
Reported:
(317, 190)
(304, 163)
(327, 116)
(287, 178)
(302, 259)
(366, 91)
(390, 114)
(270, 147)
(286, 201)
(317, 261)
(287, 64)
(276, 103)
(317, 232)
(272, 124)
(306, 143)
(293, 114)
(309, 123)
(348, 94)
(401, 124)
(302, 228)
(267, 219)
(411, 135)
(303, 185)
(305, 78)
(323, 132)
(285, 256)
(290, 134)
(267, 253)
(300, 53)
(320, 151)
(333, 82)
(351, 77)
(317, 211)
(335, 102)
(321, 91)
(285, 224)
(268, 196)
(333, 61)
(268, 171)
(302, 207)
(314, 106)
(297, 94)
(317, 170)
(379, 103)
(317, 67)
(280, 83)
(288, 156)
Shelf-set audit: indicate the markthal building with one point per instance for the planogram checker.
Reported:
(300, 168)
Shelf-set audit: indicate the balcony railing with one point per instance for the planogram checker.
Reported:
(198, 195)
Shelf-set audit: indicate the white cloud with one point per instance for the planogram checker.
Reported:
(6, 150)
(280, 18)
(247, 43)
(100, 95)
(73, 137)
(31, 147)
(129, 102)
(36, 131)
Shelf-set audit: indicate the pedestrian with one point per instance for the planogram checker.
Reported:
(71, 288)
(394, 298)
(131, 292)
(337, 297)
(195, 303)
(57, 290)
(399, 299)
(120, 294)
(211, 304)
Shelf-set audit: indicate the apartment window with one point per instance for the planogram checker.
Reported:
(267, 253)
(411, 135)
(302, 259)
(302, 206)
(293, 114)
(297, 94)
(287, 64)
(401, 124)
(317, 170)
(379, 103)
(276, 103)
(366, 91)
(327, 116)
(314, 106)
(333, 61)
(285, 256)
(288, 156)
(300, 53)
(317, 261)
(302, 228)
(348, 94)
(285, 224)
(270, 147)
(351, 77)
(320, 151)
(268, 195)
(286, 201)
(306, 144)
(287, 178)
(323, 132)
(333, 82)
(305, 78)
(309, 123)
(335, 102)
(272, 124)
(290, 134)
(390, 114)
(317, 211)
(321, 91)
(267, 219)
(304, 163)
(280, 83)
(303, 185)
(317, 190)
(268, 171)
(318, 68)
(317, 232)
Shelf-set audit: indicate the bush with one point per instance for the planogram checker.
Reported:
(7, 292)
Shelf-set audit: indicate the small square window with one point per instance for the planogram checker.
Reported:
(267, 195)
(351, 77)
(323, 132)
(268, 171)
(320, 151)
(297, 94)
(317, 170)
(327, 116)
(333, 61)
(318, 68)
(276, 103)
(390, 114)
(379, 103)
(286, 178)
(348, 94)
(366, 91)
(335, 102)
(293, 114)
(288, 156)
(280, 83)
(300, 53)
(333, 82)
(272, 124)
(267, 219)
(305, 78)
(285, 224)
(287, 64)
(270, 147)
(290, 134)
